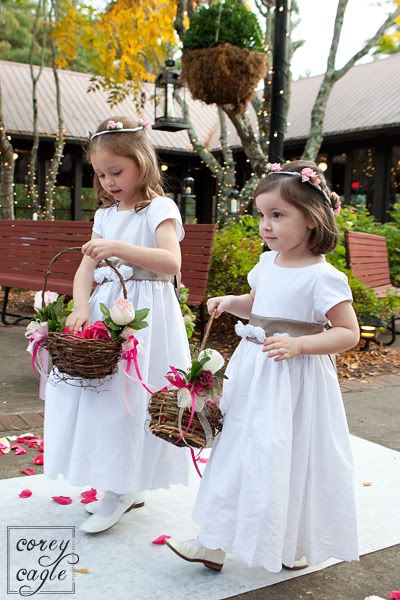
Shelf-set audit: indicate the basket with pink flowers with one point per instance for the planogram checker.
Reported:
(94, 352)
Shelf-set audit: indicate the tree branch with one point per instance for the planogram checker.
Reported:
(368, 45)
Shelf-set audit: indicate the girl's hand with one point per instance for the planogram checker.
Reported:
(218, 304)
(98, 249)
(282, 347)
(77, 319)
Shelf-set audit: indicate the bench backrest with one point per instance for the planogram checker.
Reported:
(26, 247)
(367, 258)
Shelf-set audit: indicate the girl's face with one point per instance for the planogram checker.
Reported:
(283, 227)
(118, 175)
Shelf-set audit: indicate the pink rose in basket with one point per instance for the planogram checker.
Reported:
(122, 312)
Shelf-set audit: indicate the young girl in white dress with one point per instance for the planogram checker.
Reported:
(278, 488)
(98, 437)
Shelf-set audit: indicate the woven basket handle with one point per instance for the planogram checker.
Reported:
(57, 256)
(208, 329)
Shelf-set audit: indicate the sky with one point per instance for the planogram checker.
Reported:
(362, 19)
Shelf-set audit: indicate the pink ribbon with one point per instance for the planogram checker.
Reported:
(130, 354)
(40, 360)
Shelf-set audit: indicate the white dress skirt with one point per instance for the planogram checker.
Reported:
(99, 436)
(279, 482)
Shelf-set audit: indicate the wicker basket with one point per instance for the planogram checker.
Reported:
(79, 357)
(222, 75)
(164, 413)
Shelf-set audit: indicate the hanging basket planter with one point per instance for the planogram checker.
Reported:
(223, 54)
(225, 74)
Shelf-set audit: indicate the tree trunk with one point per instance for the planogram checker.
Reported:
(41, 12)
(59, 147)
(6, 172)
(332, 75)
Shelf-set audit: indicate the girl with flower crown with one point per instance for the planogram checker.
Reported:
(278, 487)
(98, 437)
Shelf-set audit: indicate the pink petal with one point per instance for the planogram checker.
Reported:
(62, 499)
(203, 460)
(3, 447)
(18, 449)
(395, 595)
(25, 494)
(161, 539)
(89, 499)
(38, 460)
(87, 493)
(28, 471)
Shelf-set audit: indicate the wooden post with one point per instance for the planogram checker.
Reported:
(76, 188)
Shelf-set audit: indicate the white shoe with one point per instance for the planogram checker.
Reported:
(109, 512)
(194, 551)
(138, 502)
(297, 565)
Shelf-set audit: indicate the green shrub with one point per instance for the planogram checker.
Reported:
(235, 25)
(238, 246)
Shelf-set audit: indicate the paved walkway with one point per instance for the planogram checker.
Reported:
(373, 413)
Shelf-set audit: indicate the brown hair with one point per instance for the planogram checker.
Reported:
(307, 198)
(134, 145)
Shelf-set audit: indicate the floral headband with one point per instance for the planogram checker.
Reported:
(308, 175)
(118, 127)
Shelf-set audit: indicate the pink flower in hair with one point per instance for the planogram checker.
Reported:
(145, 124)
(336, 203)
(307, 174)
(114, 125)
(274, 167)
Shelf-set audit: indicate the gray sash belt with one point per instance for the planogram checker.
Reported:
(143, 275)
(293, 328)
(140, 274)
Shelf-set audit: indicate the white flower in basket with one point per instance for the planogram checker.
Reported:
(49, 297)
(122, 312)
(214, 362)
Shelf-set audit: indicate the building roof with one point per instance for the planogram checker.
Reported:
(366, 98)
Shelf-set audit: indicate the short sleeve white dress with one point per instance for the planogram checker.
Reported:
(279, 482)
(99, 437)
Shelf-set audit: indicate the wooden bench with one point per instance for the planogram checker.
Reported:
(26, 248)
(368, 259)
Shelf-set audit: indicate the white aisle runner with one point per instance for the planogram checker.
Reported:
(123, 564)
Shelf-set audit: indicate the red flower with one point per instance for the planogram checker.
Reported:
(206, 380)
(395, 595)
(100, 331)
(25, 494)
(38, 460)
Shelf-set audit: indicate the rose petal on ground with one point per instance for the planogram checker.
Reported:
(28, 471)
(161, 539)
(38, 460)
(89, 493)
(18, 449)
(62, 499)
(25, 494)
(203, 460)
